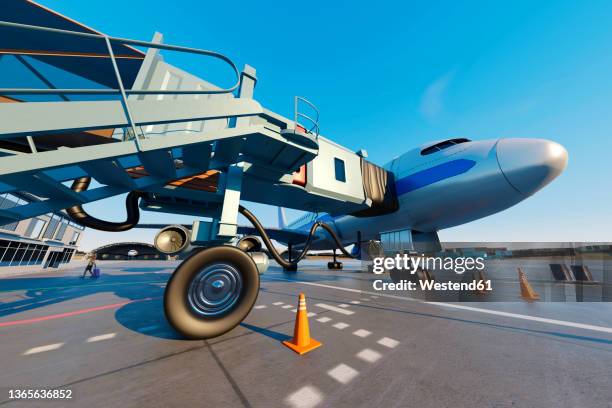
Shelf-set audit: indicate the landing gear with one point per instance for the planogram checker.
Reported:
(211, 292)
(334, 264)
(292, 267)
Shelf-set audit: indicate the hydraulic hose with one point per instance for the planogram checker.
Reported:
(80, 216)
(268, 243)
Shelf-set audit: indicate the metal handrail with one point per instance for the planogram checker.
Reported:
(114, 91)
(298, 115)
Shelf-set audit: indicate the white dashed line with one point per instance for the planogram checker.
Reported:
(323, 319)
(602, 329)
(42, 349)
(260, 307)
(355, 302)
(343, 305)
(369, 355)
(343, 373)
(335, 309)
(365, 299)
(101, 337)
(388, 342)
(278, 303)
(306, 397)
(293, 310)
(286, 306)
(310, 314)
(362, 333)
(341, 326)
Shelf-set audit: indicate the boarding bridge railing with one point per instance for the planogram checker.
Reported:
(120, 90)
(312, 124)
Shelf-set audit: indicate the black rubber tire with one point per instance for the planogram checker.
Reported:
(334, 265)
(176, 305)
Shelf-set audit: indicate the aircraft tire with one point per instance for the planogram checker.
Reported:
(211, 292)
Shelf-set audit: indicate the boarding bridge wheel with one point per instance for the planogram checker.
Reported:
(211, 292)
(334, 265)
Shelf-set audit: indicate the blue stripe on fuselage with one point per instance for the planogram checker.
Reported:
(433, 175)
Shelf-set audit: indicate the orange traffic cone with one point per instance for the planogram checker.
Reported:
(301, 342)
(527, 291)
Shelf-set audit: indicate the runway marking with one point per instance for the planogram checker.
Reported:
(293, 310)
(310, 314)
(73, 313)
(355, 302)
(343, 373)
(369, 355)
(365, 299)
(323, 319)
(602, 329)
(278, 303)
(341, 326)
(306, 397)
(362, 333)
(101, 337)
(42, 349)
(335, 309)
(260, 307)
(388, 342)
(343, 305)
(286, 306)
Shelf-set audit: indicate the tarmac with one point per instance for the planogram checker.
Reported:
(107, 341)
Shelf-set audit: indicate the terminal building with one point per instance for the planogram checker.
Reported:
(47, 241)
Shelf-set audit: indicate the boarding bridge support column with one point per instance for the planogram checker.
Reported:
(228, 151)
(228, 222)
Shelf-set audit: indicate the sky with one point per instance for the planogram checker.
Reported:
(389, 76)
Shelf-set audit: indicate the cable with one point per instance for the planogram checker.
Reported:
(282, 262)
(80, 216)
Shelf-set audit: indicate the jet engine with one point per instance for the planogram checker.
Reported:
(250, 243)
(172, 240)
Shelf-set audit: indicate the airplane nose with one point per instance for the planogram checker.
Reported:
(530, 164)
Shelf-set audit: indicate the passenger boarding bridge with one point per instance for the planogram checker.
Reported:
(186, 145)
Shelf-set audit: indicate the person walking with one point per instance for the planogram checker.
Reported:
(91, 264)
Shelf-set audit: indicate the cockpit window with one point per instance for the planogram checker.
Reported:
(443, 145)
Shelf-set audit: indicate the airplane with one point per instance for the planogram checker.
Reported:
(178, 144)
(438, 185)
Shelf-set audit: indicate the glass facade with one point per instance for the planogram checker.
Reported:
(13, 253)
(396, 241)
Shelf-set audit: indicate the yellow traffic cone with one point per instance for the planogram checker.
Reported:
(301, 342)
(527, 291)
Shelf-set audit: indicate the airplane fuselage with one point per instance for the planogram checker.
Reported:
(445, 184)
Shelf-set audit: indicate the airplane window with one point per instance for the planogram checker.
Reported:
(339, 167)
(443, 145)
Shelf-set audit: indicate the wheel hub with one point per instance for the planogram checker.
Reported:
(215, 289)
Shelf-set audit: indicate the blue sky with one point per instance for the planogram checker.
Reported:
(389, 76)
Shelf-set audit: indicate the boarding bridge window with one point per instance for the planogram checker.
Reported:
(443, 145)
(339, 168)
(396, 241)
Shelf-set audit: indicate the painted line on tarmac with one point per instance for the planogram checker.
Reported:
(42, 349)
(335, 309)
(70, 314)
(602, 329)
(85, 285)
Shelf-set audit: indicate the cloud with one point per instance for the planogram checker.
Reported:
(432, 103)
